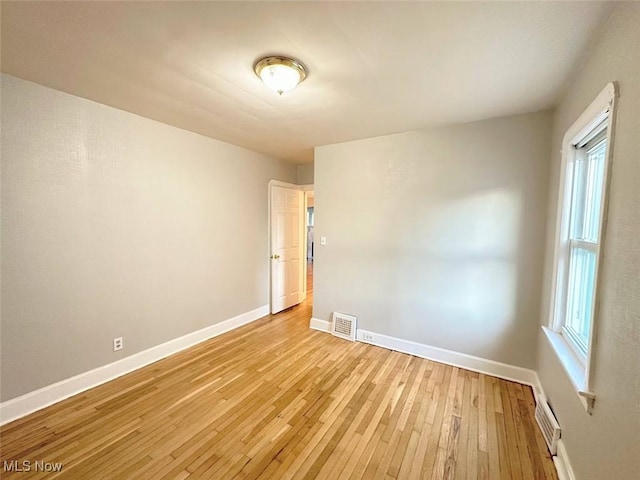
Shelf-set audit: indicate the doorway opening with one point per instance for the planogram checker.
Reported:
(310, 205)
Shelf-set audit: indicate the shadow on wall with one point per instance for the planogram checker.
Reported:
(469, 280)
(455, 281)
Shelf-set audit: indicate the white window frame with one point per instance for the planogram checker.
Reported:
(579, 369)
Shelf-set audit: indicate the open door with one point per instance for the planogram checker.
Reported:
(287, 247)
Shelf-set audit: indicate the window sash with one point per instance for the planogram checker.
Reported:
(587, 191)
(586, 185)
(581, 286)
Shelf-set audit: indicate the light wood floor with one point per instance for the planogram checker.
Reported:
(275, 399)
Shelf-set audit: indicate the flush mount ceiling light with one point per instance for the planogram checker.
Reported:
(280, 74)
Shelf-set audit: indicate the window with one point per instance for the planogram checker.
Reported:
(587, 188)
(582, 203)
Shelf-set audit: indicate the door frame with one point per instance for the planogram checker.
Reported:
(303, 188)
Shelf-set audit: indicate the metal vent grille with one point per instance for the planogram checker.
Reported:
(344, 326)
(548, 425)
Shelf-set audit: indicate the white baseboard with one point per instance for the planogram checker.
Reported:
(562, 463)
(320, 325)
(456, 359)
(43, 397)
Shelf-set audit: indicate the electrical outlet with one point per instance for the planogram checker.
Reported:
(118, 343)
(367, 337)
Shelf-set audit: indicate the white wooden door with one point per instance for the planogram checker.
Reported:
(287, 247)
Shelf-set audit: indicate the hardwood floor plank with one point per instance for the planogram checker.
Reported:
(423, 431)
(407, 417)
(473, 436)
(510, 428)
(439, 397)
(390, 435)
(492, 430)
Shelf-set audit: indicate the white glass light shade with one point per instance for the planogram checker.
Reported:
(280, 74)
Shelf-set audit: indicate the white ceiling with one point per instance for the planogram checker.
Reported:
(374, 67)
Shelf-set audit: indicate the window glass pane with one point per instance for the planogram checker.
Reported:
(580, 296)
(588, 182)
(595, 184)
(580, 171)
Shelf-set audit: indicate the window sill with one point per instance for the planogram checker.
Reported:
(575, 370)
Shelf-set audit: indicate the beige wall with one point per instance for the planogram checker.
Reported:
(437, 236)
(607, 444)
(116, 225)
(305, 174)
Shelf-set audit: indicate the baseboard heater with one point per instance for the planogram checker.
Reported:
(548, 425)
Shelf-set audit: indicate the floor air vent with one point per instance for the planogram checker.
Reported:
(344, 326)
(548, 424)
